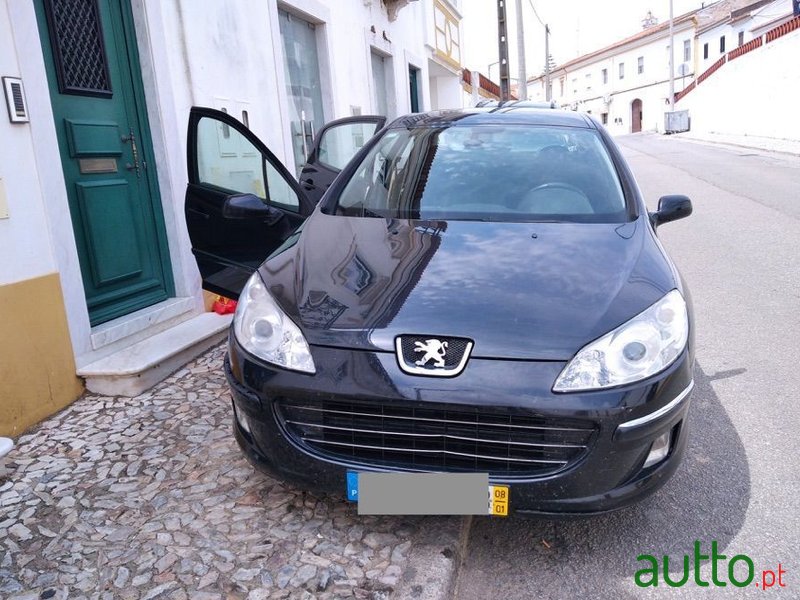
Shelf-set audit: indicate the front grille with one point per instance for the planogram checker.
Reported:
(436, 437)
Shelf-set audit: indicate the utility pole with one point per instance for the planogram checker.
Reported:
(502, 40)
(671, 62)
(522, 77)
(547, 62)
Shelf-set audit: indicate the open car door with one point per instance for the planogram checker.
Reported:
(336, 143)
(241, 202)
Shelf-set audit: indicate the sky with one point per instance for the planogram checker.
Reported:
(576, 27)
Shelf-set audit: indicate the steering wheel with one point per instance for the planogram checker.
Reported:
(556, 197)
(557, 185)
(553, 151)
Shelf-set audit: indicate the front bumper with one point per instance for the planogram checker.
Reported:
(607, 477)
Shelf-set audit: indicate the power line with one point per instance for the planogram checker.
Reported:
(533, 8)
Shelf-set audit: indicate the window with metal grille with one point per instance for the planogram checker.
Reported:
(722, 44)
(687, 50)
(79, 53)
(640, 65)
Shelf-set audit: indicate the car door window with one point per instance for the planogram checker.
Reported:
(227, 159)
(339, 143)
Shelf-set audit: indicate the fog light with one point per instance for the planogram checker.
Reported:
(659, 449)
(242, 420)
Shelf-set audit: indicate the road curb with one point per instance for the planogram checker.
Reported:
(736, 144)
(435, 560)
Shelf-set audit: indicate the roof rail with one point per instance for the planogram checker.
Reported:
(515, 104)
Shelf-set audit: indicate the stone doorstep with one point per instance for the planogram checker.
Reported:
(137, 368)
(6, 445)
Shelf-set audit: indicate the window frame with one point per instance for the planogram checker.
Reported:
(196, 115)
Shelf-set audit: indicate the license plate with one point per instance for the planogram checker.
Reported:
(427, 493)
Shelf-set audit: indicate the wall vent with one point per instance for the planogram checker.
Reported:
(15, 100)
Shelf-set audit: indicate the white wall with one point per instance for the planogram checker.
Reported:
(230, 53)
(40, 225)
(753, 20)
(24, 243)
(751, 95)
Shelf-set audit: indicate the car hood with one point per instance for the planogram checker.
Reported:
(536, 291)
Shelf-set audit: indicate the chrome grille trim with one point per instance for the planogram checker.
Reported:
(450, 452)
(362, 414)
(434, 435)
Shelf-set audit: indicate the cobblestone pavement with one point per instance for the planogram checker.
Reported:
(149, 497)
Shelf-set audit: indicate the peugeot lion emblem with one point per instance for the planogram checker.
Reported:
(432, 356)
(434, 350)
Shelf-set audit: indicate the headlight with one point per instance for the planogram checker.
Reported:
(265, 331)
(645, 345)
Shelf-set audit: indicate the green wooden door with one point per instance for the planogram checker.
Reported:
(106, 154)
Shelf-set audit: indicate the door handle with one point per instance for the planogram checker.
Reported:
(303, 134)
(198, 213)
(135, 151)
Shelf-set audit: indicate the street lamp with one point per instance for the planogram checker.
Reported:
(489, 68)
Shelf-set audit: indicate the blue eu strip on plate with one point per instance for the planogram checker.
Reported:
(352, 486)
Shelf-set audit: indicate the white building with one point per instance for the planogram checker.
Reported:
(626, 85)
(93, 159)
(750, 91)
(719, 33)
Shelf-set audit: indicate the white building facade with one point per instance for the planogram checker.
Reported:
(626, 85)
(93, 160)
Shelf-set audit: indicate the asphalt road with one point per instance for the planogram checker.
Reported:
(740, 482)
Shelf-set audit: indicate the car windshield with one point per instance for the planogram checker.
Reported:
(510, 173)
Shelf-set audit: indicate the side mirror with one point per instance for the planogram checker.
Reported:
(246, 206)
(671, 208)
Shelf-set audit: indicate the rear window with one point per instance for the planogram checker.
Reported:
(511, 173)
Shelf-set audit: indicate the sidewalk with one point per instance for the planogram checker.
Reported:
(745, 141)
(149, 497)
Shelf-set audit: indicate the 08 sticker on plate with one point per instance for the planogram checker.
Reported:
(498, 500)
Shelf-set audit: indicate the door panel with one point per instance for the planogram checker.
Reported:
(226, 161)
(114, 251)
(336, 143)
(93, 138)
(90, 55)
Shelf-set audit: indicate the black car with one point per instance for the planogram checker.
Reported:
(478, 291)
